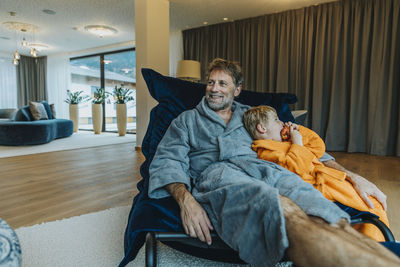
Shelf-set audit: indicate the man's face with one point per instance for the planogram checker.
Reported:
(220, 90)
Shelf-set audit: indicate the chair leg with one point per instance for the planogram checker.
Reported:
(151, 250)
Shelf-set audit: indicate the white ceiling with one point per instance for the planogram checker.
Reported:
(63, 31)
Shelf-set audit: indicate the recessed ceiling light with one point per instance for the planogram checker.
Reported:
(100, 30)
(225, 19)
(205, 22)
(49, 11)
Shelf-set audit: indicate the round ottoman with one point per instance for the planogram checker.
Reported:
(10, 251)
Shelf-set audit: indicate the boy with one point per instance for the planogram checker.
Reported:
(298, 149)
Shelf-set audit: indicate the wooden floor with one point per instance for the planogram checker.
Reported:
(384, 172)
(52, 186)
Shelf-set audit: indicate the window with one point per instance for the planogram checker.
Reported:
(85, 76)
(105, 70)
(120, 71)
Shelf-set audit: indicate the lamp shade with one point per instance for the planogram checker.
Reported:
(189, 70)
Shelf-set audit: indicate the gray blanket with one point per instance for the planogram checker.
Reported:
(239, 192)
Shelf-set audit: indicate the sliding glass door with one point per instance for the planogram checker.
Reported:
(120, 71)
(85, 76)
(105, 70)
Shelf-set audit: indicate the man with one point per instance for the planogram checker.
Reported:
(258, 208)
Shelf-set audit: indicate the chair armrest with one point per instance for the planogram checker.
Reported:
(370, 218)
(217, 245)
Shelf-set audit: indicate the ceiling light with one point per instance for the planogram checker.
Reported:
(21, 27)
(49, 11)
(17, 55)
(33, 52)
(38, 47)
(225, 19)
(205, 22)
(100, 30)
(24, 42)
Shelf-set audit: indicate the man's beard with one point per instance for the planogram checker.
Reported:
(225, 103)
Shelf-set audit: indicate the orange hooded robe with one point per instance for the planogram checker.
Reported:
(303, 161)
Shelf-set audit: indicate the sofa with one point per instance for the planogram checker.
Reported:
(23, 130)
(6, 113)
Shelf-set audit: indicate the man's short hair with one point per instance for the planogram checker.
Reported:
(232, 68)
(256, 115)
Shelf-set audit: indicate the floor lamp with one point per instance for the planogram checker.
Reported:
(189, 70)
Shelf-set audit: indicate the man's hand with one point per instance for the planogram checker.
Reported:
(363, 187)
(194, 218)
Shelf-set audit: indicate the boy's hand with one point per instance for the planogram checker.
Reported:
(296, 136)
(295, 126)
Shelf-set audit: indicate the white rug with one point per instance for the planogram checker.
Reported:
(94, 239)
(82, 139)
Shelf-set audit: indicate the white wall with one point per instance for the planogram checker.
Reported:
(152, 51)
(175, 51)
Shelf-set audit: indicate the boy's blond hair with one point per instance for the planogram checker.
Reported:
(256, 115)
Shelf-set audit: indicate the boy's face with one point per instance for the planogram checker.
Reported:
(272, 129)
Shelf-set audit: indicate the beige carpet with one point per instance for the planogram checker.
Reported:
(82, 139)
(94, 239)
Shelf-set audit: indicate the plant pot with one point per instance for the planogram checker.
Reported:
(97, 117)
(74, 115)
(121, 119)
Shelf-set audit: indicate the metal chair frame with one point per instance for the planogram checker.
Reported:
(165, 237)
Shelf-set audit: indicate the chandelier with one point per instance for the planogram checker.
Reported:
(25, 29)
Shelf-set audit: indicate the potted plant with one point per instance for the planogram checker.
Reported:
(74, 99)
(99, 96)
(122, 96)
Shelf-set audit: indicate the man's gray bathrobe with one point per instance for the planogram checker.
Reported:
(239, 192)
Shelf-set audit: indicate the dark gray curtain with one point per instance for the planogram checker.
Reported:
(341, 59)
(31, 80)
